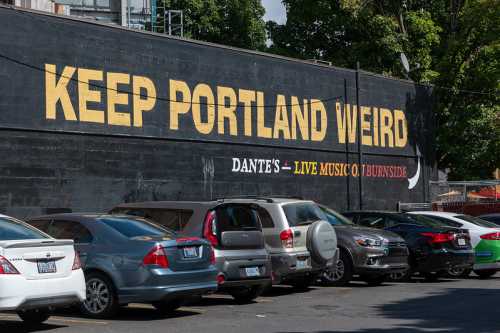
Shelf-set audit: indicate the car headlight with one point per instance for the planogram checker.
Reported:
(369, 242)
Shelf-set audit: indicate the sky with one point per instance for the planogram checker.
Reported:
(275, 11)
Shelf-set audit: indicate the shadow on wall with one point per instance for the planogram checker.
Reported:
(450, 311)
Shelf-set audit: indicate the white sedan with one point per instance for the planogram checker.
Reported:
(485, 239)
(37, 273)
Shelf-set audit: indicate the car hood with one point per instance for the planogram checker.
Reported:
(365, 231)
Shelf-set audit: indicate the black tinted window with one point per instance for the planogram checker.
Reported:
(41, 225)
(237, 217)
(335, 218)
(265, 218)
(477, 221)
(372, 221)
(70, 230)
(130, 227)
(11, 229)
(445, 221)
(171, 219)
(302, 213)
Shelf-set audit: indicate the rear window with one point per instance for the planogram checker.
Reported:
(131, 228)
(477, 221)
(11, 229)
(236, 218)
(172, 219)
(335, 218)
(303, 213)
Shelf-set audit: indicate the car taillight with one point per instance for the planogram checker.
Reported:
(6, 267)
(210, 229)
(436, 237)
(286, 237)
(156, 256)
(76, 262)
(491, 236)
(212, 256)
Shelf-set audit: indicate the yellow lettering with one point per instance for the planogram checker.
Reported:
(203, 90)
(366, 139)
(401, 137)
(281, 119)
(262, 130)
(386, 123)
(226, 111)
(318, 134)
(375, 127)
(247, 97)
(300, 118)
(85, 95)
(114, 98)
(142, 104)
(178, 107)
(58, 91)
(346, 122)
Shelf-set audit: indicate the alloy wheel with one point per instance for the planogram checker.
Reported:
(98, 296)
(338, 274)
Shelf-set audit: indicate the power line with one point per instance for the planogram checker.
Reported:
(158, 98)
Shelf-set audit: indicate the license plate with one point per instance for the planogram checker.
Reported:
(301, 264)
(46, 266)
(190, 252)
(461, 241)
(252, 271)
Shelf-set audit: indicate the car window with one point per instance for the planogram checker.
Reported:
(335, 218)
(446, 221)
(11, 229)
(372, 221)
(265, 218)
(237, 217)
(477, 221)
(135, 227)
(61, 229)
(42, 225)
(302, 213)
(491, 218)
(172, 219)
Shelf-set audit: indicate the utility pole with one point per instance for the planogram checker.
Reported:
(360, 152)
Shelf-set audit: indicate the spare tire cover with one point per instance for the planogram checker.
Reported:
(321, 241)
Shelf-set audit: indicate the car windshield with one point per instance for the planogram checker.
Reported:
(303, 213)
(135, 227)
(477, 221)
(11, 229)
(335, 218)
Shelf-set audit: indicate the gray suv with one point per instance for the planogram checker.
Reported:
(301, 242)
(234, 230)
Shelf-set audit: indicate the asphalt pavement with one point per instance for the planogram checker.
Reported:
(456, 306)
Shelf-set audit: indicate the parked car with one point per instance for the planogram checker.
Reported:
(485, 239)
(371, 253)
(234, 230)
(302, 244)
(495, 218)
(129, 259)
(37, 272)
(434, 247)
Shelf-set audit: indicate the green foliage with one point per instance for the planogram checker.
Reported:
(453, 44)
(231, 22)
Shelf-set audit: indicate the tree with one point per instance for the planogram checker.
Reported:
(451, 44)
(237, 23)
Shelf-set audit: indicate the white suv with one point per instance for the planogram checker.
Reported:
(37, 273)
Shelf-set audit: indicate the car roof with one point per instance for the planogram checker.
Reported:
(490, 215)
(387, 212)
(434, 213)
(79, 216)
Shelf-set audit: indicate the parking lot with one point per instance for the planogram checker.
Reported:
(446, 306)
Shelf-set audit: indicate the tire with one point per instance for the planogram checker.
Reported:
(34, 317)
(400, 277)
(459, 273)
(102, 301)
(374, 280)
(486, 274)
(167, 307)
(247, 295)
(343, 274)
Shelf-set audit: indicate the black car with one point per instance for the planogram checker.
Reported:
(434, 247)
(371, 253)
(495, 218)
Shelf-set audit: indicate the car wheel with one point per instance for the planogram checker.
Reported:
(459, 272)
(167, 307)
(246, 295)
(400, 276)
(374, 280)
(101, 301)
(342, 275)
(34, 317)
(485, 274)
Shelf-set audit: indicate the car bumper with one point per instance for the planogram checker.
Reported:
(18, 293)
(287, 266)
(443, 260)
(487, 254)
(374, 261)
(487, 266)
(235, 271)
(164, 284)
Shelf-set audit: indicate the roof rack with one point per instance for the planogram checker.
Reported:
(268, 199)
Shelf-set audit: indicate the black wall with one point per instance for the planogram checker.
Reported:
(72, 164)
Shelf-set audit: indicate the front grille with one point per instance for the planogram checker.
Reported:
(397, 244)
(398, 249)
